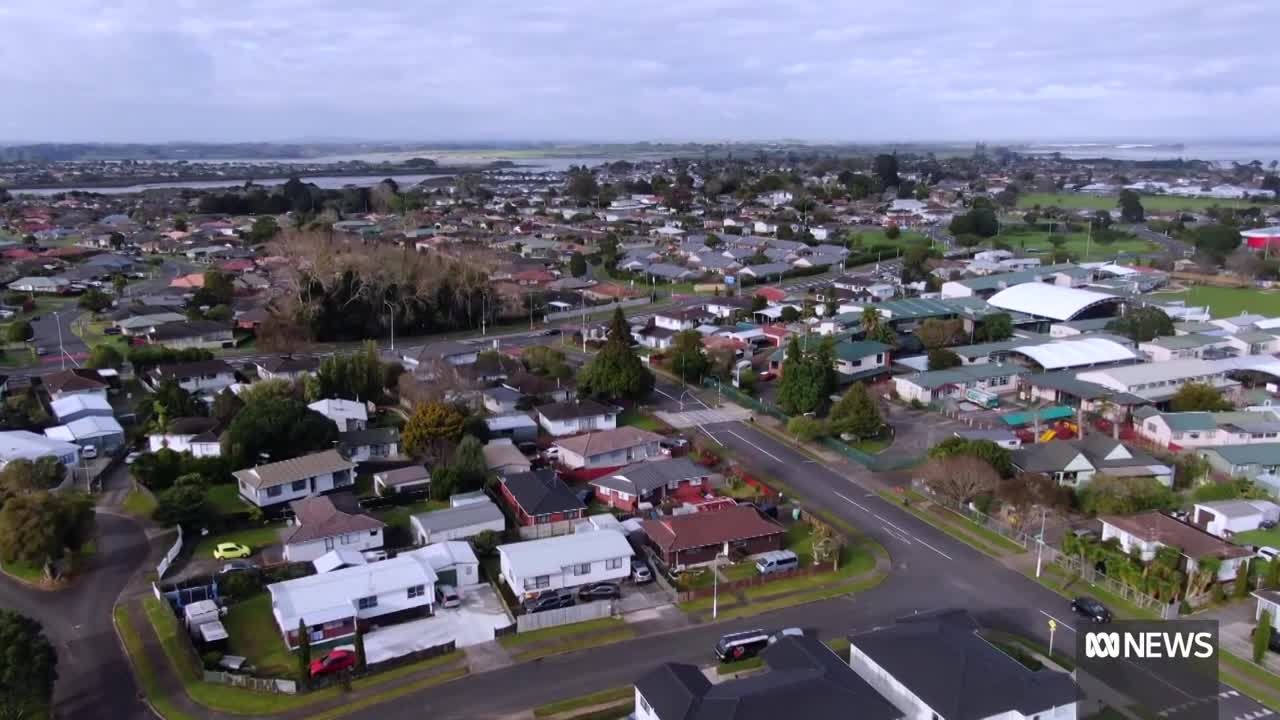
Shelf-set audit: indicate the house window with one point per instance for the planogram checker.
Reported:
(417, 591)
(537, 583)
(879, 358)
(274, 491)
(613, 563)
(298, 485)
(582, 569)
(347, 539)
(366, 603)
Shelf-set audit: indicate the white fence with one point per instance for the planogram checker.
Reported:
(593, 309)
(546, 530)
(170, 556)
(564, 616)
(271, 685)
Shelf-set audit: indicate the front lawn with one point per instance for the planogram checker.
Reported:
(253, 634)
(256, 538)
(739, 571)
(224, 499)
(641, 419)
(1258, 537)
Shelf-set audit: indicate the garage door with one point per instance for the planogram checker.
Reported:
(448, 577)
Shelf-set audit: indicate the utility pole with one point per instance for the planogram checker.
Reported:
(62, 353)
(1040, 542)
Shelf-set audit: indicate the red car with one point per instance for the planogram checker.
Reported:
(334, 661)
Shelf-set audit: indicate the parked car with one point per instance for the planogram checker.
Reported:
(640, 572)
(42, 351)
(230, 550)
(1091, 609)
(334, 661)
(1273, 642)
(131, 457)
(237, 566)
(1266, 552)
(549, 601)
(550, 331)
(599, 591)
(741, 645)
(767, 375)
(89, 452)
(449, 597)
(786, 632)
(111, 330)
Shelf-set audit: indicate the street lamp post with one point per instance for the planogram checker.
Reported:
(715, 584)
(1040, 542)
(392, 308)
(62, 353)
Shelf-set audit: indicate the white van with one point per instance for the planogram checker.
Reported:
(776, 561)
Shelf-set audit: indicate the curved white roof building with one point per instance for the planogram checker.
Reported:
(1077, 353)
(1048, 301)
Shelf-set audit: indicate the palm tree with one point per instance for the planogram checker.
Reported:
(870, 320)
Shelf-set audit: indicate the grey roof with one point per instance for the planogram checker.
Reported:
(768, 269)
(575, 409)
(399, 476)
(805, 679)
(369, 436)
(645, 477)
(541, 492)
(942, 660)
(666, 270)
(289, 364)
(459, 517)
(299, 468)
(1054, 455)
(1267, 454)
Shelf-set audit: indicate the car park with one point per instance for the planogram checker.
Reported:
(1092, 609)
(553, 600)
(599, 591)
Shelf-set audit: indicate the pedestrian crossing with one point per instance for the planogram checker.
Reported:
(707, 416)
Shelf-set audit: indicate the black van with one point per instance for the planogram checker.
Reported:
(742, 645)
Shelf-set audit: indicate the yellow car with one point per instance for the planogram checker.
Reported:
(230, 550)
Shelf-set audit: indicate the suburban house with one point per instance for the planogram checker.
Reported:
(414, 478)
(286, 367)
(192, 334)
(571, 418)
(141, 325)
(25, 445)
(1178, 430)
(446, 351)
(1075, 462)
(517, 427)
(805, 679)
(654, 337)
(330, 604)
(503, 457)
(40, 284)
(455, 563)
(74, 407)
(935, 665)
(196, 435)
(552, 389)
(102, 433)
(1224, 518)
(564, 561)
(66, 383)
(994, 379)
(328, 522)
(377, 444)
(1158, 382)
(861, 360)
(539, 497)
(346, 414)
(678, 320)
(288, 480)
(608, 448)
(500, 400)
(200, 377)
(650, 482)
(1147, 532)
(1247, 461)
(457, 523)
(696, 538)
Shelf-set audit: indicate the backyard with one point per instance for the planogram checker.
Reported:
(224, 499)
(1157, 203)
(1268, 538)
(398, 516)
(253, 634)
(1225, 302)
(255, 537)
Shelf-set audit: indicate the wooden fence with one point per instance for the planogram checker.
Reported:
(564, 616)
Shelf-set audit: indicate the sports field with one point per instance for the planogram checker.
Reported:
(1158, 203)
(1225, 302)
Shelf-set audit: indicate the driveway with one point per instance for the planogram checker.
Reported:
(470, 624)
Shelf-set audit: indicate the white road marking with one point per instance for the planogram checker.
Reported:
(895, 535)
(889, 524)
(848, 500)
(1057, 621)
(713, 437)
(931, 547)
(766, 452)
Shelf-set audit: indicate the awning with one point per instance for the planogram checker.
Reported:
(1049, 414)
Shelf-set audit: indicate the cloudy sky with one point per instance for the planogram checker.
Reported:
(153, 70)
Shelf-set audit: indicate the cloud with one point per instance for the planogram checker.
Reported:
(155, 70)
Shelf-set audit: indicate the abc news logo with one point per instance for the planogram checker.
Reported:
(1150, 645)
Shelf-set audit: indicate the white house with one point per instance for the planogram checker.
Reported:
(24, 445)
(571, 418)
(564, 561)
(74, 407)
(377, 444)
(677, 321)
(346, 414)
(39, 284)
(455, 563)
(1159, 381)
(405, 479)
(289, 480)
(1207, 429)
(200, 377)
(286, 367)
(1147, 532)
(196, 435)
(935, 666)
(1224, 518)
(330, 604)
(102, 433)
(457, 523)
(320, 526)
(609, 448)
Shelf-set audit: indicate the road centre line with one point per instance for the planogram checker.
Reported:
(766, 452)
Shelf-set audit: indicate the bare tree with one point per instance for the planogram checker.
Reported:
(1244, 263)
(959, 478)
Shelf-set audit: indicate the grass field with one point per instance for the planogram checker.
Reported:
(224, 499)
(1157, 203)
(253, 634)
(255, 538)
(1225, 302)
(1078, 244)
(140, 503)
(872, 238)
(1258, 537)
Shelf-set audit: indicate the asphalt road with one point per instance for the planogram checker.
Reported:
(1176, 249)
(94, 678)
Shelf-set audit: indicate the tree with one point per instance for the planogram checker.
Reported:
(104, 356)
(758, 303)
(273, 429)
(789, 314)
(577, 264)
(687, 356)
(1216, 241)
(1262, 636)
(40, 528)
(1142, 324)
(171, 401)
(1241, 589)
(997, 457)
(959, 478)
(361, 658)
(19, 331)
(444, 482)
(856, 414)
(226, 405)
(936, 333)
(1109, 495)
(358, 376)
(185, 504)
(996, 327)
(885, 167)
(95, 300)
(616, 372)
(806, 429)
(893, 232)
(582, 186)
(1130, 207)
(1194, 396)
(28, 667)
(942, 359)
(469, 464)
(1245, 263)
(118, 284)
(431, 426)
(264, 228)
(304, 650)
